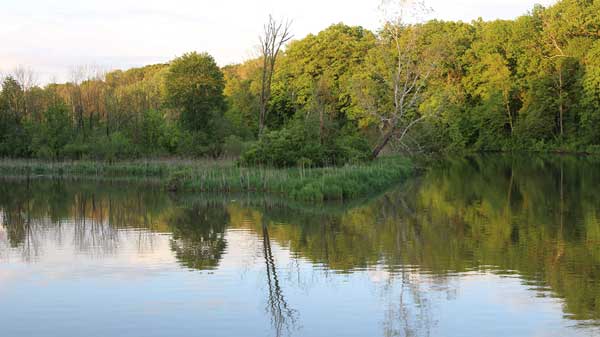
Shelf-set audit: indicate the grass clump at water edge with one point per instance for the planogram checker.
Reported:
(307, 184)
(299, 183)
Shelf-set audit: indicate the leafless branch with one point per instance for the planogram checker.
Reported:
(275, 35)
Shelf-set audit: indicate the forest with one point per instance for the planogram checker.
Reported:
(343, 95)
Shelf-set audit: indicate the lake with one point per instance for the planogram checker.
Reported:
(492, 245)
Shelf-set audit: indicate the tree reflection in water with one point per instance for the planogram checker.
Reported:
(408, 313)
(91, 214)
(92, 232)
(283, 318)
(198, 234)
(23, 231)
(537, 218)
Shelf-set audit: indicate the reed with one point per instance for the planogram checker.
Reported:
(299, 183)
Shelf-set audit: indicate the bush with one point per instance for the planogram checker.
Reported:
(78, 149)
(300, 143)
(595, 149)
(283, 148)
(150, 133)
(233, 147)
(45, 152)
(352, 148)
(193, 144)
(116, 147)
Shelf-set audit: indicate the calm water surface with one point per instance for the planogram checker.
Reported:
(485, 246)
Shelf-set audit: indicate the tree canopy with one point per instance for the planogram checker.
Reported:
(532, 83)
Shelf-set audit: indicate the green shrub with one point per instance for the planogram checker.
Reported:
(233, 146)
(595, 149)
(300, 142)
(45, 152)
(115, 147)
(78, 149)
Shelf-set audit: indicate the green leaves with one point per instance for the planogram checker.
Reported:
(494, 85)
(316, 70)
(194, 85)
(299, 144)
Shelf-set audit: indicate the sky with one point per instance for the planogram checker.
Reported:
(54, 37)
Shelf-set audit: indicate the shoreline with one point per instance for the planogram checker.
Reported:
(299, 183)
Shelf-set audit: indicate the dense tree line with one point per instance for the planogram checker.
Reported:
(174, 108)
(344, 94)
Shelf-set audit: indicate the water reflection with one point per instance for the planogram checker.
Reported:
(283, 317)
(199, 234)
(480, 220)
(33, 212)
(533, 216)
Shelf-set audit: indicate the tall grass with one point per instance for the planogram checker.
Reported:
(301, 183)
(125, 169)
(307, 184)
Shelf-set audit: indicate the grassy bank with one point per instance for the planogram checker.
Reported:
(306, 184)
(137, 169)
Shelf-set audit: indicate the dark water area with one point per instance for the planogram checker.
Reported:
(482, 246)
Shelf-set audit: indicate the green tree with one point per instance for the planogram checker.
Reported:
(58, 129)
(591, 99)
(194, 85)
(242, 91)
(391, 87)
(14, 141)
(315, 72)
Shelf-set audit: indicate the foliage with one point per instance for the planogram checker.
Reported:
(52, 135)
(528, 84)
(301, 183)
(242, 93)
(299, 144)
(194, 85)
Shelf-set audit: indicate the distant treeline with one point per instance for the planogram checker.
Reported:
(532, 83)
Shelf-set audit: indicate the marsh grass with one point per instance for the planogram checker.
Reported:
(306, 184)
(300, 183)
(131, 169)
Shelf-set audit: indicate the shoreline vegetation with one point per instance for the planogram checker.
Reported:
(311, 184)
(310, 118)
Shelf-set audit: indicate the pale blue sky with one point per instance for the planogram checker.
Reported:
(51, 37)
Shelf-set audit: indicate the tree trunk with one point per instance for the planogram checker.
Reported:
(386, 139)
(509, 115)
(321, 124)
(261, 120)
(506, 98)
(263, 98)
(560, 102)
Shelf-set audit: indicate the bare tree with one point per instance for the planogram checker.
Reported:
(390, 97)
(275, 35)
(79, 99)
(92, 93)
(27, 79)
(76, 77)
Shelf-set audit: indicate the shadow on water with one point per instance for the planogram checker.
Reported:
(534, 217)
